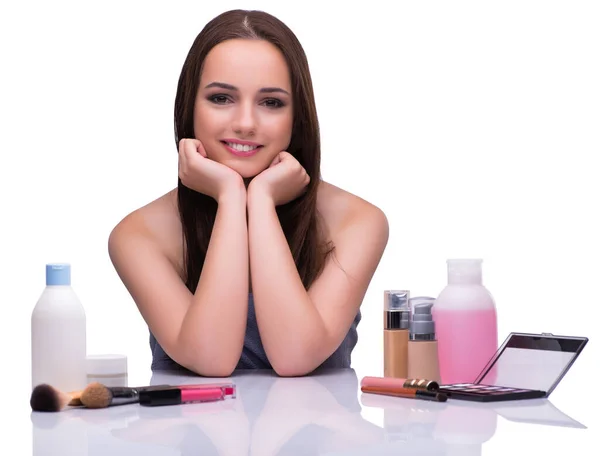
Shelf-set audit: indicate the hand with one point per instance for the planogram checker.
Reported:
(283, 181)
(202, 174)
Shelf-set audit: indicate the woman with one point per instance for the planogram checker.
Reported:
(252, 261)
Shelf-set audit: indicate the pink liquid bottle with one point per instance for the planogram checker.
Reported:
(466, 323)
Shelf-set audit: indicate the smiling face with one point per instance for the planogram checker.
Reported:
(243, 113)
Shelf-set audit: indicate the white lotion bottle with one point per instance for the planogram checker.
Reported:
(58, 334)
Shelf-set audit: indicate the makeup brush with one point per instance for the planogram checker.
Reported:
(406, 393)
(46, 398)
(97, 395)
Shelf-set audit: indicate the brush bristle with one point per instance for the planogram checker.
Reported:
(46, 398)
(96, 395)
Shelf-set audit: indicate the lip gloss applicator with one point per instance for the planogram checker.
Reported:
(187, 394)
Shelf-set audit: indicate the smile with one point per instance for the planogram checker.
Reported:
(241, 150)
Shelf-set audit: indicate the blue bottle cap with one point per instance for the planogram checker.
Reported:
(58, 274)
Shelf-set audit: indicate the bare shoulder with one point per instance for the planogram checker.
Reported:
(343, 211)
(158, 224)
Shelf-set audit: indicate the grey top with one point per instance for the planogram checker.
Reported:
(253, 353)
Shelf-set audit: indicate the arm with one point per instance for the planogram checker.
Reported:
(204, 331)
(301, 329)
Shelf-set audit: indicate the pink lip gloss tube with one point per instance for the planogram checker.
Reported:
(228, 388)
(186, 394)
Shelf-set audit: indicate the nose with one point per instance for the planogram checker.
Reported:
(244, 121)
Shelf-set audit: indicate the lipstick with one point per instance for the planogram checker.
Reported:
(187, 394)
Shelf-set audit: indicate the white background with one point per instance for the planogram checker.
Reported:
(474, 125)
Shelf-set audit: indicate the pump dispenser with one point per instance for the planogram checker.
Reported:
(423, 359)
(395, 333)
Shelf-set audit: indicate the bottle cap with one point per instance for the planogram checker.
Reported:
(106, 365)
(397, 309)
(58, 274)
(422, 326)
(466, 271)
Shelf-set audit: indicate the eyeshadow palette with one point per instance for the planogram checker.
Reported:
(488, 393)
(545, 358)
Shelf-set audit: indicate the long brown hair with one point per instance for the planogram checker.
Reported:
(298, 218)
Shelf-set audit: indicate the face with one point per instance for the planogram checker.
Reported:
(243, 112)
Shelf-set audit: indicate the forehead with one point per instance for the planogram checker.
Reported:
(247, 64)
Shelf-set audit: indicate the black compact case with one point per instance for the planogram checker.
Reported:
(526, 366)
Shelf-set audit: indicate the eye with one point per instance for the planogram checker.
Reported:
(219, 98)
(273, 103)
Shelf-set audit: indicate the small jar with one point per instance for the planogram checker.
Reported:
(110, 370)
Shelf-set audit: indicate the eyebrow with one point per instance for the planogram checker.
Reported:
(226, 86)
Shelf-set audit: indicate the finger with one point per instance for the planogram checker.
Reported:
(180, 166)
(275, 161)
(182, 149)
(290, 161)
(182, 162)
(285, 156)
(188, 154)
(200, 149)
(190, 149)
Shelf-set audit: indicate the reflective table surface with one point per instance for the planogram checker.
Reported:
(321, 414)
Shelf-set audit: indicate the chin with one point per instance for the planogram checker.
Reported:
(247, 170)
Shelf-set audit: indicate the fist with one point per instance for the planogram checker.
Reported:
(202, 174)
(283, 181)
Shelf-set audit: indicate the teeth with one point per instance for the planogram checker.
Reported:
(241, 147)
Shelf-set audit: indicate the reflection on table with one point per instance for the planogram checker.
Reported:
(455, 427)
(317, 414)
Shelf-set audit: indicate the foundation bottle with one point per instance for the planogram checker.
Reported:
(423, 359)
(395, 333)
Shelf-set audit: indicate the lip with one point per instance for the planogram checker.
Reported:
(239, 141)
(239, 153)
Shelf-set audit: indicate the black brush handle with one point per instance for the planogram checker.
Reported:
(129, 395)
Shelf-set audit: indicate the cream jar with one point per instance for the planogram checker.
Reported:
(110, 370)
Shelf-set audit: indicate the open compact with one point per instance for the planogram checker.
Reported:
(526, 366)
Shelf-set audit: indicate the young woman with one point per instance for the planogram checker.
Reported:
(252, 262)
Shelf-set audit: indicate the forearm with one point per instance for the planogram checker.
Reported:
(214, 325)
(291, 328)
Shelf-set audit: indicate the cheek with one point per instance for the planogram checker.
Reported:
(280, 129)
(203, 122)
(207, 126)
